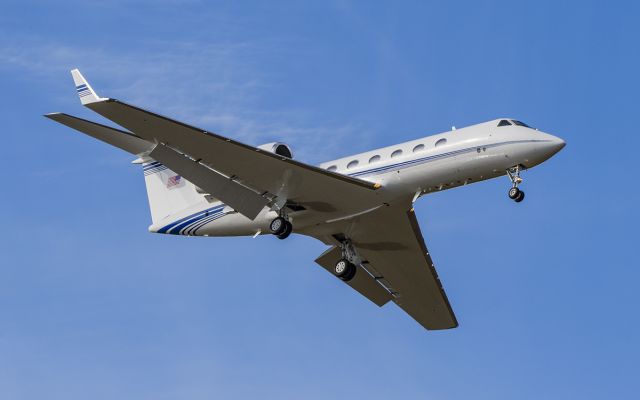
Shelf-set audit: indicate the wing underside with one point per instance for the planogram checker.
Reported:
(396, 258)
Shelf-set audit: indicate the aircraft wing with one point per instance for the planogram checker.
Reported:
(391, 245)
(262, 171)
(242, 199)
(115, 137)
(275, 178)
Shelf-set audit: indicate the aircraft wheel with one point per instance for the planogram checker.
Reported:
(520, 197)
(344, 270)
(287, 230)
(514, 192)
(278, 225)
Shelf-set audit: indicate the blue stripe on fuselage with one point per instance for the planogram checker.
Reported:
(183, 222)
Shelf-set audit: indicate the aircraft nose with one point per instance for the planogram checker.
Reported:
(551, 146)
(557, 144)
(544, 147)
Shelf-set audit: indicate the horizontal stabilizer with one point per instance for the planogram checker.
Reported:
(115, 137)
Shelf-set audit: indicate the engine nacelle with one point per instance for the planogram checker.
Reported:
(278, 148)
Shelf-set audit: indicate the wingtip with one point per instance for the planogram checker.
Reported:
(85, 91)
(57, 116)
(52, 115)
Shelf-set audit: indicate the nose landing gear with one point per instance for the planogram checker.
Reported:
(515, 194)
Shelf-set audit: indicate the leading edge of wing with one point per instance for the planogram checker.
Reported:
(96, 106)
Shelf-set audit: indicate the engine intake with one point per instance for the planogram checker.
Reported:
(278, 148)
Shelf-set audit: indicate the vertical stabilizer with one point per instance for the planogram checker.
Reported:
(168, 192)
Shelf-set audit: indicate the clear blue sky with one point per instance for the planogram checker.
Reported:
(546, 292)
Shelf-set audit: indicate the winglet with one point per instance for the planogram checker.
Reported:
(85, 91)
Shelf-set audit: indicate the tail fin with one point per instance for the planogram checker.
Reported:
(168, 192)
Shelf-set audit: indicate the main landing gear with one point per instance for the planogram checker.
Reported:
(345, 268)
(515, 194)
(281, 227)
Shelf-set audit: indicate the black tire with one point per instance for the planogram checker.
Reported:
(351, 274)
(287, 231)
(344, 270)
(278, 225)
(520, 197)
(514, 192)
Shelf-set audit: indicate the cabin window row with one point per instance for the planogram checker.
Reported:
(396, 153)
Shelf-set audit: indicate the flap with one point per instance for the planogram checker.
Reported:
(241, 199)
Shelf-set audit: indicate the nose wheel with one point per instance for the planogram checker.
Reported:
(281, 227)
(515, 193)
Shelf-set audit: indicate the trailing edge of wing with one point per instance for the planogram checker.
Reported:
(240, 198)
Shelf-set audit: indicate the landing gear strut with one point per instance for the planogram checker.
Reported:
(515, 194)
(281, 227)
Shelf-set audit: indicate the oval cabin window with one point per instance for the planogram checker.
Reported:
(332, 168)
(373, 159)
(396, 153)
(440, 142)
(352, 164)
(418, 148)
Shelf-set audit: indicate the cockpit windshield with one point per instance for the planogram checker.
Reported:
(519, 123)
(504, 122)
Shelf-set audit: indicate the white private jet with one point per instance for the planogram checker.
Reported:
(203, 184)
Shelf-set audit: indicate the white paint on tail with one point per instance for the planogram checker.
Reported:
(168, 192)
